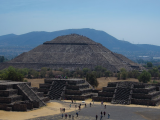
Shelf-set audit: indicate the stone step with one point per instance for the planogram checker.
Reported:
(9, 92)
(10, 99)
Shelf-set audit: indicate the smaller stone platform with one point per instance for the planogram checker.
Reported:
(72, 89)
(130, 93)
(19, 96)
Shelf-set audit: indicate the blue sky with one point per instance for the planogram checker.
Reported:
(136, 21)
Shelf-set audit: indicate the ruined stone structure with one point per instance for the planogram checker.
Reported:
(130, 93)
(20, 96)
(70, 89)
(71, 52)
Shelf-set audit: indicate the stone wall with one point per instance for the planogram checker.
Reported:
(104, 99)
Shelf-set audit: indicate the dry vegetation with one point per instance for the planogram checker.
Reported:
(35, 82)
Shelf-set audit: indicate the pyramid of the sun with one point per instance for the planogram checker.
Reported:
(71, 52)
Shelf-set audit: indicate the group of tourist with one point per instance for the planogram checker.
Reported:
(102, 114)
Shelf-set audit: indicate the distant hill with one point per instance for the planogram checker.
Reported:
(11, 44)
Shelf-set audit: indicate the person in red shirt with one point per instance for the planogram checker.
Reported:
(96, 117)
(66, 116)
(104, 113)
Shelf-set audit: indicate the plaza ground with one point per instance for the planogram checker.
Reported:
(117, 112)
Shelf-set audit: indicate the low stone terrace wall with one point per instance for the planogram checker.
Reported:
(142, 90)
(10, 99)
(75, 97)
(5, 87)
(112, 84)
(73, 92)
(6, 93)
(104, 99)
(106, 94)
(144, 102)
(72, 87)
(109, 89)
(145, 96)
(44, 85)
(142, 85)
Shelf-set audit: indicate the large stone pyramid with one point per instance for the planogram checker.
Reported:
(71, 52)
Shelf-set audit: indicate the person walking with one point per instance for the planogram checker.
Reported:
(70, 106)
(102, 103)
(77, 114)
(96, 117)
(72, 117)
(85, 104)
(105, 106)
(66, 116)
(101, 117)
(108, 115)
(101, 112)
(104, 113)
(90, 104)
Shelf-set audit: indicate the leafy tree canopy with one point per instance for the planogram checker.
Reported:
(144, 77)
(91, 78)
(149, 64)
(2, 59)
(11, 74)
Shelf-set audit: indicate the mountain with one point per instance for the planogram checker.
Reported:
(36, 38)
(16, 44)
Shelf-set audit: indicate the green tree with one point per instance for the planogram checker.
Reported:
(91, 78)
(33, 73)
(98, 68)
(107, 73)
(135, 73)
(43, 72)
(155, 72)
(50, 74)
(149, 64)
(2, 59)
(11, 74)
(144, 77)
(122, 74)
(85, 71)
(24, 71)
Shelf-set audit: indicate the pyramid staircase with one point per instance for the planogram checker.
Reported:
(20, 96)
(56, 90)
(122, 93)
(30, 94)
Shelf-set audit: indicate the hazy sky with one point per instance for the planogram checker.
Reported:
(136, 21)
